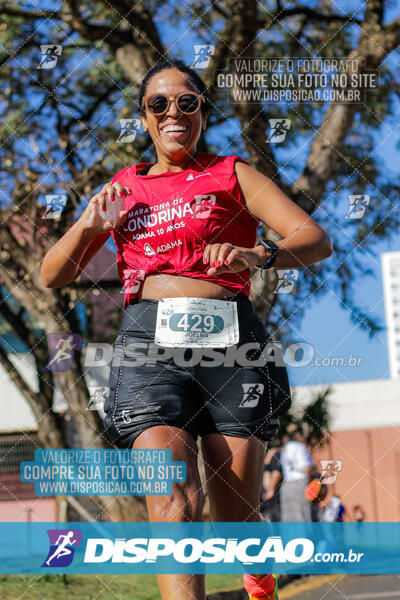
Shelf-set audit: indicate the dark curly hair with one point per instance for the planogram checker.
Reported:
(180, 66)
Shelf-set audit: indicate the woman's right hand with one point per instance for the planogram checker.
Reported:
(91, 218)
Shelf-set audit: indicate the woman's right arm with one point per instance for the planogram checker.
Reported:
(66, 259)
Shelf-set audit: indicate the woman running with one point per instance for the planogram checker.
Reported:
(186, 239)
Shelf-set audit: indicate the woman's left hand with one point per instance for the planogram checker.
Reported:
(226, 257)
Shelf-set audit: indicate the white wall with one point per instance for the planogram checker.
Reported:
(357, 404)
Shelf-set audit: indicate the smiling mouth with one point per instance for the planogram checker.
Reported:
(175, 131)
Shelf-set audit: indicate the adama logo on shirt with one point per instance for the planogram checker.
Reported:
(148, 250)
(166, 247)
(191, 176)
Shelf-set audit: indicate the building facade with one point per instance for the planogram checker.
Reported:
(391, 290)
(365, 439)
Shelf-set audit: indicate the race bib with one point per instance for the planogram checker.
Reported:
(196, 322)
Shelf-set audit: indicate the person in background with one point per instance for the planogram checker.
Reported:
(334, 511)
(297, 469)
(272, 477)
(358, 514)
(341, 514)
(318, 504)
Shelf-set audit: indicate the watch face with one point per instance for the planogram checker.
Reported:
(269, 245)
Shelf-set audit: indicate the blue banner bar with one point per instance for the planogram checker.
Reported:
(306, 548)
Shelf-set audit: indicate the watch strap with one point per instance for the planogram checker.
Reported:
(274, 250)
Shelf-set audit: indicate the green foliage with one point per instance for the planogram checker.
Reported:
(314, 418)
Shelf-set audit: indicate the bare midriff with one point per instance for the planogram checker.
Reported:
(161, 285)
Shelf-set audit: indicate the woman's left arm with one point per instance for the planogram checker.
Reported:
(303, 241)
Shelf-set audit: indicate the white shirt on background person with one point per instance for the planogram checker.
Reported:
(294, 458)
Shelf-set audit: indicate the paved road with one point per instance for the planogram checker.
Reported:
(346, 587)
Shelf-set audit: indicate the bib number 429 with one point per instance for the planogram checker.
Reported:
(196, 323)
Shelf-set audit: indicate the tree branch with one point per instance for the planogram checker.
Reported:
(220, 10)
(30, 14)
(115, 36)
(313, 15)
(374, 12)
(374, 45)
(243, 29)
(85, 117)
(142, 24)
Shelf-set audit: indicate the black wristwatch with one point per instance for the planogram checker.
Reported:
(274, 251)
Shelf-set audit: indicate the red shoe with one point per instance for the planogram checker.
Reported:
(272, 596)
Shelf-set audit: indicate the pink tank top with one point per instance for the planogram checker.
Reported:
(173, 216)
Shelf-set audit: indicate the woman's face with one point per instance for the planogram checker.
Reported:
(173, 144)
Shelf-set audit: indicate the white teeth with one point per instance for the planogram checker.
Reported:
(170, 128)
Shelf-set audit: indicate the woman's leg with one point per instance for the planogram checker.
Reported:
(184, 504)
(234, 467)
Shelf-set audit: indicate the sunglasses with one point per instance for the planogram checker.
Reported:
(187, 102)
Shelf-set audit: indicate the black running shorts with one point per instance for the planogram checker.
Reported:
(240, 390)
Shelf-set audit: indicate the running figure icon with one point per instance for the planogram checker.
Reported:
(50, 54)
(62, 549)
(63, 544)
(64, 348)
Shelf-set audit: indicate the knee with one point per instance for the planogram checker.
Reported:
(185, 503)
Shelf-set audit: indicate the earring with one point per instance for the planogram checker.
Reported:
(145, 127)
(204, 126)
